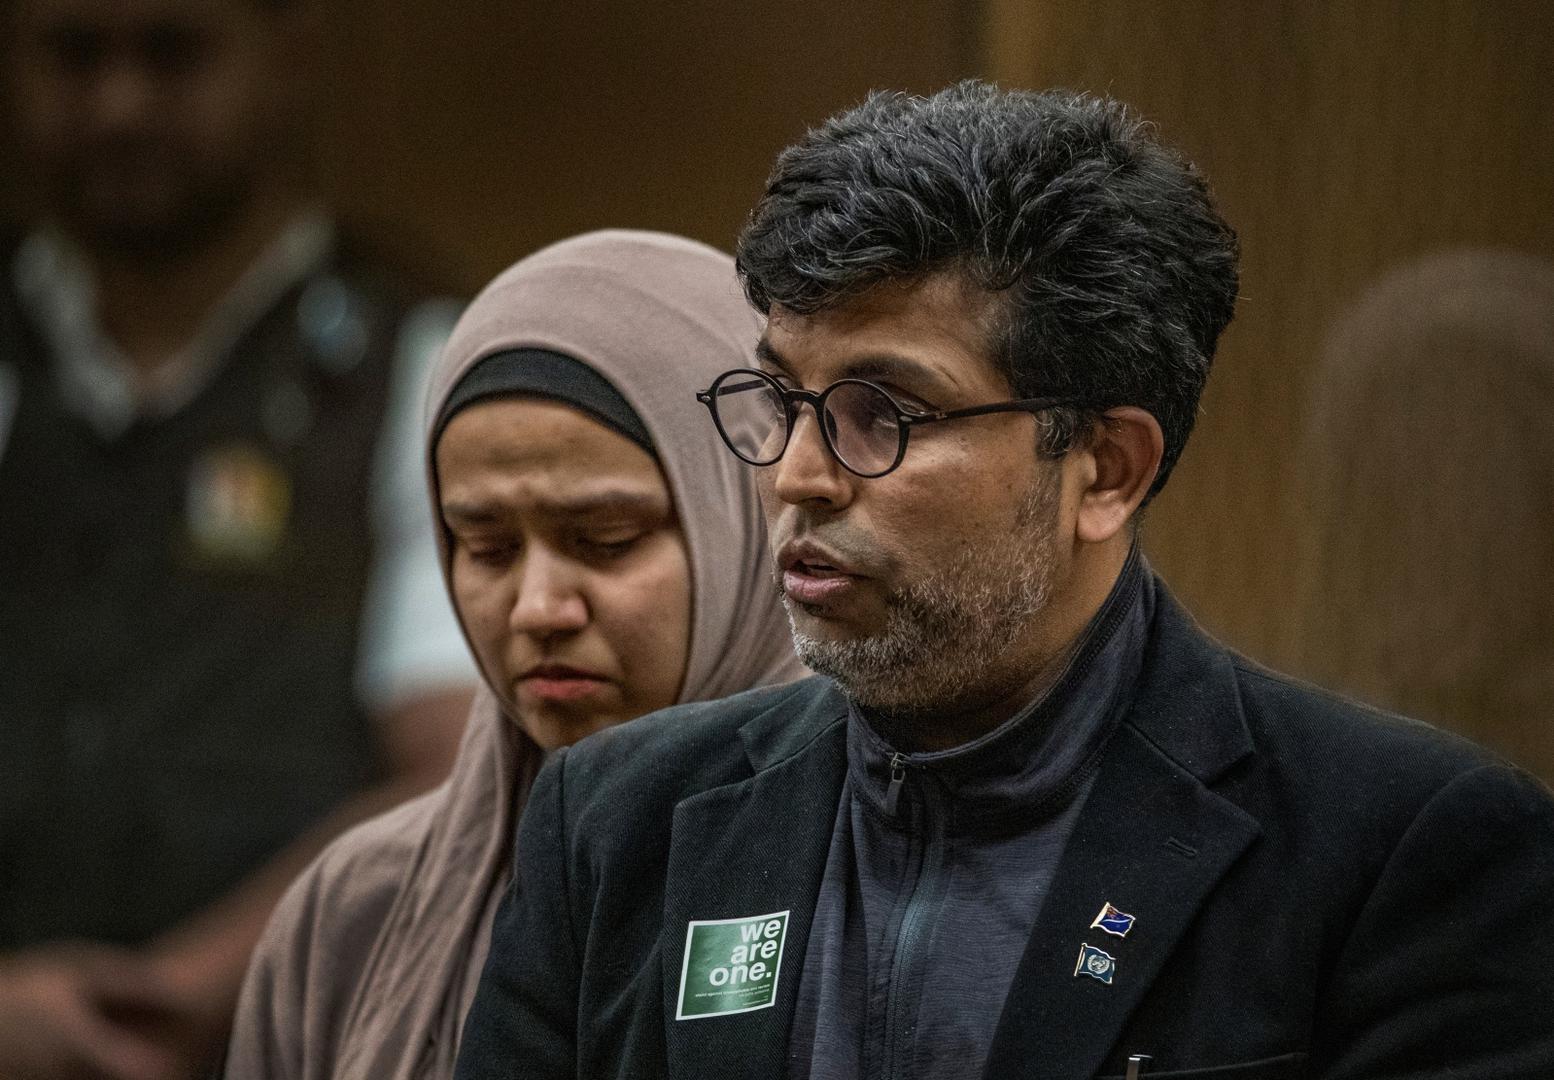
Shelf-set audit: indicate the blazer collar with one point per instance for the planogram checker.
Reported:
(1188, 703)
(792, 722)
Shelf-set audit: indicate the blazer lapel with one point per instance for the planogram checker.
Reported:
(751, 848)
(1152, 841)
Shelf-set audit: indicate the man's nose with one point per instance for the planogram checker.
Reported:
(808, 473)
(550, 599)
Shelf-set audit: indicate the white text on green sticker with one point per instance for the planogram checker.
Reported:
(731, 965)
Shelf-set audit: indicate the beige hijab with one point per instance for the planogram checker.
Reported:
(371, 961)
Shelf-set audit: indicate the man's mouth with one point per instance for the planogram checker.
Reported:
(813, 575)
(816, 585)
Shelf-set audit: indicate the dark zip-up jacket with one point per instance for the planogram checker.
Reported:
(1317, 890)
(940, 860)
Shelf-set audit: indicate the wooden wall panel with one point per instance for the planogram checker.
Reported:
(513, 124)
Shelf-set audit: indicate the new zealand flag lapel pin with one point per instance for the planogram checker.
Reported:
(1113, 921)
(1096, 963)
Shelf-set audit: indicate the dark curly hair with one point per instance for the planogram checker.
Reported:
(1115, 270)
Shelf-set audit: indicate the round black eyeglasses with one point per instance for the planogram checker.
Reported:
(862, 425)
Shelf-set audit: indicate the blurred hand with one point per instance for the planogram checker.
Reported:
(84, 1012)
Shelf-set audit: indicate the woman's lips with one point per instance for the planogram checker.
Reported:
(553, 684)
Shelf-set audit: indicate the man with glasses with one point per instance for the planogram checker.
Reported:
(1031, 822)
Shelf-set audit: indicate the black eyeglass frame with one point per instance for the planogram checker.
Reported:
(905, 420)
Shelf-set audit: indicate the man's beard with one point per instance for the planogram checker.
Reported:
(945, 635)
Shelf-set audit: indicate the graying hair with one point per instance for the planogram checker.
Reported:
(1114, 271)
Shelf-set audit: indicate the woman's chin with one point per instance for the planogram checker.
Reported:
(553, 725)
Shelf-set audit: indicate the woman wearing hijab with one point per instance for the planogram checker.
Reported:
(605, 559)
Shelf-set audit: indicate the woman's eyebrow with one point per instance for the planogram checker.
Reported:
(604, 502)
(583, 504)
(470, 513)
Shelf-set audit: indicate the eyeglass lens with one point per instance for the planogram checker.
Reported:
(752, 417)
(861, 422)
(865, 430)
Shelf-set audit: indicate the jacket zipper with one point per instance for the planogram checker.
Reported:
(915, 922)
(897, 778)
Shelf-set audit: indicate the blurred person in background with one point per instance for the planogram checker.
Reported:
(1429, 470)
(605, 560)
(222, 633)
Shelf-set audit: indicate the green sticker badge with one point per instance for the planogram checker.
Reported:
(731, 965)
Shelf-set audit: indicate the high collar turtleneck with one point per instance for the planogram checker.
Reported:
(1030, 766)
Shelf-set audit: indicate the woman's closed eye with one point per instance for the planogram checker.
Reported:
(609, 544)
(490, 552)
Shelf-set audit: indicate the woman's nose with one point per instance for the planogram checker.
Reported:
(550, 599)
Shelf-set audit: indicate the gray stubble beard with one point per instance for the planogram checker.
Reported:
(944, 635)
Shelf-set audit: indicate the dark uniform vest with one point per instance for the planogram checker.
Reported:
(179, 612)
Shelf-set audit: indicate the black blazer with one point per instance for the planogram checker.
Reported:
(1319, 890)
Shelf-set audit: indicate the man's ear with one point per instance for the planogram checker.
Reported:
(1126, 446)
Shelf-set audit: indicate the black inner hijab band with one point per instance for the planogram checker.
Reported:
(542, 373)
